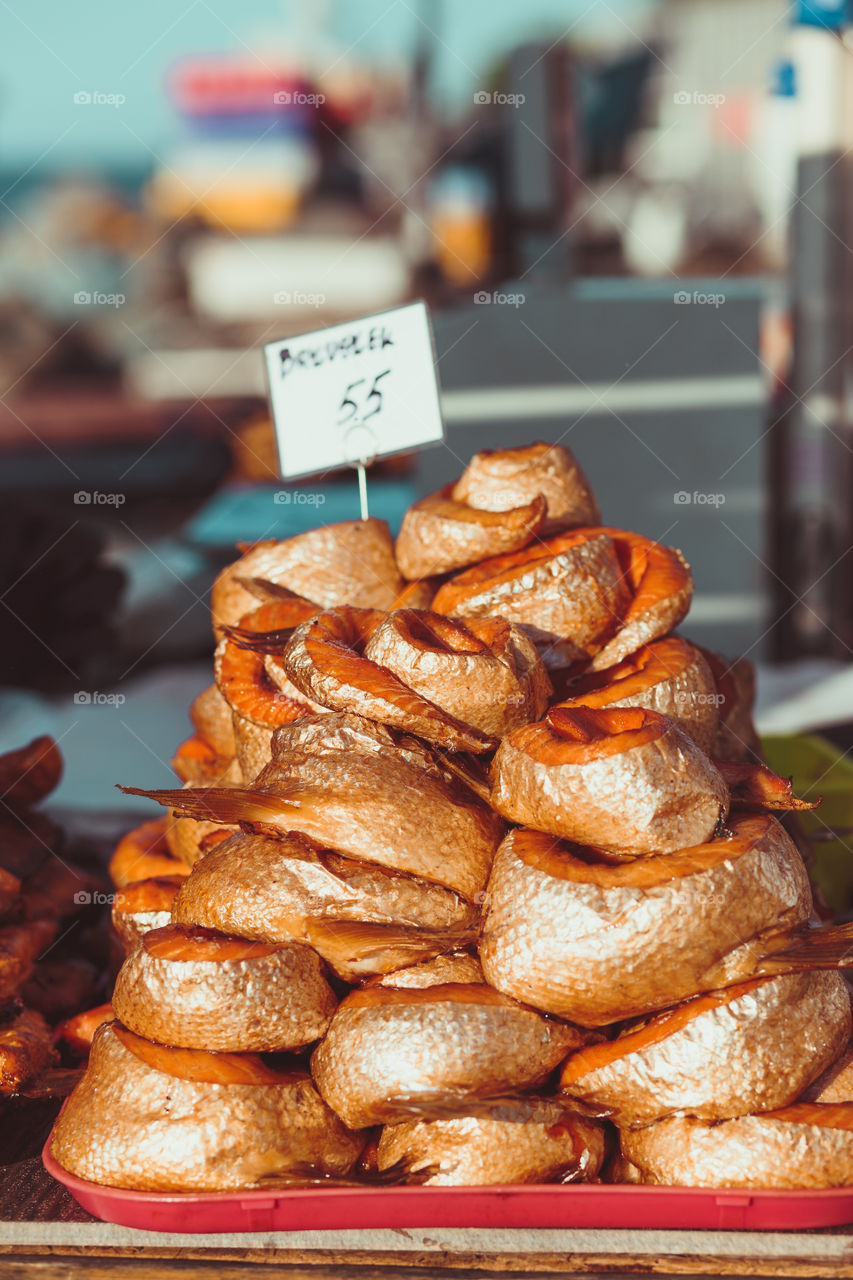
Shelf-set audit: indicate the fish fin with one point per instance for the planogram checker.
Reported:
(468, 770)
(221, 804)
(304, 1174)
(265, 591)
(53, 1082)
(362, 949)
(822, 947)
(259, 641)
(754, 786)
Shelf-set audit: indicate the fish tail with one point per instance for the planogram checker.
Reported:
(823, 947)
(468, 770)
(754, 786)
(259, 641)
(231, 805)
(265, 591)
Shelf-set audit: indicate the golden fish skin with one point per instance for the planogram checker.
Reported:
(751, 1151)
(351, 562)
(568, 602)
(277, 1000)
(499, 479)
(185, 836)
(439, 534)
(835, 1084)
(384, 1044)
(688, 695)
(421, 820)
(525, 1140)
(494, 690)
(144, 906)
(210, 715)
(597, 944)
(455, 966)
(268, 889)
(130, 1125)
(755, 1053)
(651, 799)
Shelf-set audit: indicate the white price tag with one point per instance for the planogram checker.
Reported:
(354, 392)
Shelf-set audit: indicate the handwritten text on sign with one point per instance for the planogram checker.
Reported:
(354, 392)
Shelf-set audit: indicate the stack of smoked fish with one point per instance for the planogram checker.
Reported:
(474, 878)
(42, 891)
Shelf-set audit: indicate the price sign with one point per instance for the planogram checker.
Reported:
(354, 392)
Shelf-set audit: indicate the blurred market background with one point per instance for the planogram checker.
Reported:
(631, 220)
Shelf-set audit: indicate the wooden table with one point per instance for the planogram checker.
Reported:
(45, 1235)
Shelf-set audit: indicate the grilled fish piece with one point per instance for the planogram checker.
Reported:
(514, 1140)
(198, 763)
(25, 1050)
(661, 588)
(500, 479)
(198, 989)
(143, 854)
(626, 780)
(210, 715)
(21, 946)
(327, 771)
(327, 660)
(669, 676)
(271, 889)
(599, 943)
(799, 1147)
(752, 1047)
(30, 773)
(568, 592)
(387, 1047)
(188, 839)
(347, 563)
(159, 1119)
(483, 671)
(79, 1031)
(440, 533)
(144, 905)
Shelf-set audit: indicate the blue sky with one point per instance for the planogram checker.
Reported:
(53, 49)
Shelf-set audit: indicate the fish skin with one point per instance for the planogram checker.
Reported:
(351, 562)
(422, 821)
(502, 685)
(726, 1061)
(458, 966)
(451, 1038)
(630, 939)
(687, 694)
(210, 715)
(323, 661)
(440, 533)
(661, 588)
(526, 1140)
(144, 854)
(567, 592)
(130, 1125)
(835, 1084)
(750, 1151)
(270, 1002)
(269, 889)
(499, 479)
(654, 798)
(25, 1049)
(133, 919)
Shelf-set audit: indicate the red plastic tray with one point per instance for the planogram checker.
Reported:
(339, 1208)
